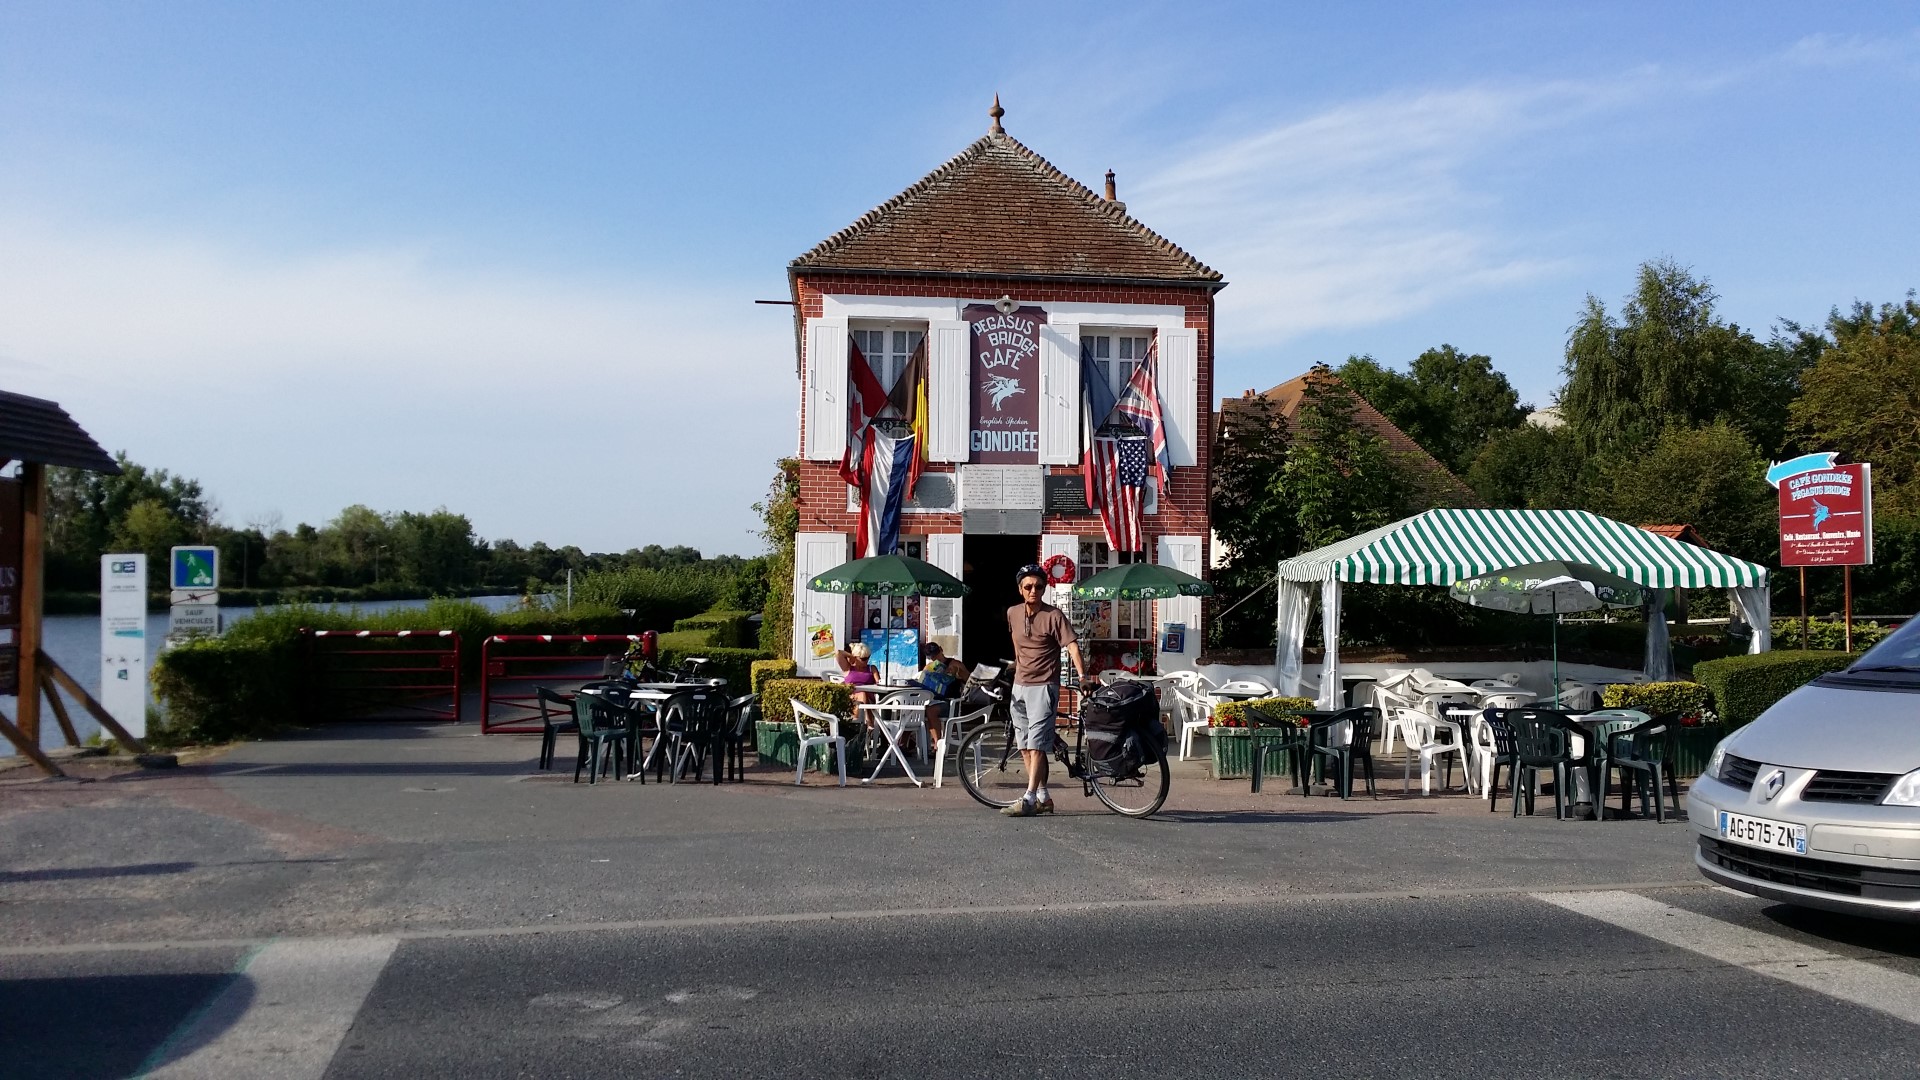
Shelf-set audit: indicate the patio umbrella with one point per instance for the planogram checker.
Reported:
(1141, 581)
(1548, 588)
(889, 576)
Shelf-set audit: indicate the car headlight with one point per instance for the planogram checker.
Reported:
(1719, 758)
(1905, 791)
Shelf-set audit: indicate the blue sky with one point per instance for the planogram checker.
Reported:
(501, 258)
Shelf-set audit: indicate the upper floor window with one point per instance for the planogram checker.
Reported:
(887, 347)
(1115, 356)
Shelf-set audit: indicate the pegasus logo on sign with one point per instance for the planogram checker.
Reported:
(1000, 388)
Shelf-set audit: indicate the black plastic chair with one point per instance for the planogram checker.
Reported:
(742, 713)
(605, 739)
(553, 722)
(1292, 743)
(693, 723)
(1645, 751)
(1540, 743)
(1358, 750)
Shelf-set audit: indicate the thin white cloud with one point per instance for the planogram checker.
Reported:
(1855, 51)
(603, 413)
(1370, 210)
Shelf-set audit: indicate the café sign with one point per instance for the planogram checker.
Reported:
(1005, 427)
(1826, 515)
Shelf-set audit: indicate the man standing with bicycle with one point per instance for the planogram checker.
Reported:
(1039, 631)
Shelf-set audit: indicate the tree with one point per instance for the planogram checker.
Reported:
(1252, 521)
(1712, 478)
(1339, 479)
(1862, 397)
(88, 512)
(1448, 401)
(1669, 362)
(1530, 468)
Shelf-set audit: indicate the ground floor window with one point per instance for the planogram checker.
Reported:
(891, 625)
(1116, 633)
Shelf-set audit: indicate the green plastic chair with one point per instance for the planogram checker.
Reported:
(601, 733)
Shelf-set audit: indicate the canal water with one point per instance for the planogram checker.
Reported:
(74, 643)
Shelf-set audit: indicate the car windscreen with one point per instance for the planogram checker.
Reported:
(1893, 662)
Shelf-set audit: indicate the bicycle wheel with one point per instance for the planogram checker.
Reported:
(1137, 795)
(990, 768)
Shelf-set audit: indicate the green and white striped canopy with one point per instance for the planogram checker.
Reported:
(1441, 546)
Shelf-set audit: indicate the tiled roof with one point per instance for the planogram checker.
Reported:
(1685, 533)
(34, 429)
(1436, 479)
(999, 209)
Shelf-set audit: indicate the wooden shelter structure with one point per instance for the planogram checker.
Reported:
(38, 433)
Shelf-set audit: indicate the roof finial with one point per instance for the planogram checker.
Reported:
(996, 112)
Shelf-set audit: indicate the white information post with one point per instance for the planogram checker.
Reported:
(123, 640)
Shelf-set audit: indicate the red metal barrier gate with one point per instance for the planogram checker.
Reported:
(512, 664)
(381, 675)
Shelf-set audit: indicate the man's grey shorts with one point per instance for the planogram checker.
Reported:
(1033, 709)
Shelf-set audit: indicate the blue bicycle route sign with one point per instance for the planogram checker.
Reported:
(196, 568)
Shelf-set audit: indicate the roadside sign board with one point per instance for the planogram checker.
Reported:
(1826, 517)
(195, 568)
(193, 620)
(123, 640)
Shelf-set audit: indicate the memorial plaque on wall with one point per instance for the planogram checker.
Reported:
(1067, 495)
(1006, 384)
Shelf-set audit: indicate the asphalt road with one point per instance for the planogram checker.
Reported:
(407, 904)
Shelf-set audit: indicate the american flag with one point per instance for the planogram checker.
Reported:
(1139, 404)
(1119, 478)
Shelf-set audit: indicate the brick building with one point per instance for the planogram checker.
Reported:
(999, 248)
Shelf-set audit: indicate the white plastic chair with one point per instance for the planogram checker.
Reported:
(1436, 705)
(1516, 699)
(1241, 687)
(1196, 715)
(952, 730)
(801, 714)
(1390, 702)
(1480, 738)
(1424, 742)
(1114, 674)
(1576, 696)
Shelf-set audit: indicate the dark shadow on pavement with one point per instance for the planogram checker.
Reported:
(1269, 817)
(1902, 939)
(380, 768)
(80, 873)
(103, 1025)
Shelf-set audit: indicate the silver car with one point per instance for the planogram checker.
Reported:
(1817, 802)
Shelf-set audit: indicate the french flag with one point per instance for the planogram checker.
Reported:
(888, 461)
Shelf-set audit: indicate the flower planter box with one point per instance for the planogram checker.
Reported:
(1695, 746)
(777, 743)
(1232, 750)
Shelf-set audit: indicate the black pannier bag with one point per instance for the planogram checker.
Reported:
(1122, 728)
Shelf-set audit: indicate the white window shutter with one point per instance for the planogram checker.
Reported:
(1060, 394)
(945, 616)
(1179, 384)
(814, 554)
(949, 391)
(1183, 554)
(826, 389)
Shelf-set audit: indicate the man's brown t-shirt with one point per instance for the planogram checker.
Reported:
(1037, 641)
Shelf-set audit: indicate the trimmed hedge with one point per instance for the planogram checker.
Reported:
(732, 664)
(215, 690)
(1233, 714)
(726, 629)
(764, 670)
(827, 697)
(1745, 686)
(1660, 698)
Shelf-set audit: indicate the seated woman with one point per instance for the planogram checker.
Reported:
(856, 661)
(944, 675)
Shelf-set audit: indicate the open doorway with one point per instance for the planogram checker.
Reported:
(991, 561)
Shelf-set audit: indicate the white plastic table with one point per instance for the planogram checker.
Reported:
(894, 721)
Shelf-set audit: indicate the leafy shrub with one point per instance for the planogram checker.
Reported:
(1826, 635)
(657, 597)
(732, 664)
(1744, 686)
(833, 698)
(765, 670)
(729, 629)
(1233, 714)
(218, 689)
(580, 619)
(1691, 700)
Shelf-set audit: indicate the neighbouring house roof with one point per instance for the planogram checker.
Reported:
(34, 429)
(999, 209)
(1438, 481)
(1686, 534)
(1440, 547)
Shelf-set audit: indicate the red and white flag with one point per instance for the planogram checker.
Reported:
(865, 399)
(1119, 483)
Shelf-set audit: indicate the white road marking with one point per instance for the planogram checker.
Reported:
(1894, 993)
(285, 1014)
